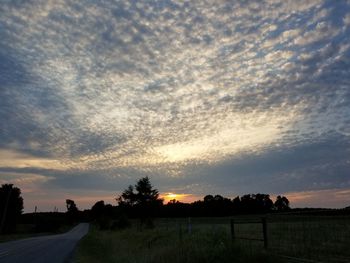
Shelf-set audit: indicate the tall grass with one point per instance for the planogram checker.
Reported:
(317, 238)
(324, 239)
(165, 244)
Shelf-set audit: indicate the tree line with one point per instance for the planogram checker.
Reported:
(141, 201)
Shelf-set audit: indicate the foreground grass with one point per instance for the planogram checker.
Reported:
(161, 244)
(291, 237)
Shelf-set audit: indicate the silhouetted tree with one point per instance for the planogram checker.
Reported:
(248, 204)
(282, 203)
(216, 205)
(256, 203)
(264, 203)
(98, 209)
(208, 198)
(11, 207)
(71, 206)
(145, 201)
(218, 198)
(175, 208)
(146, 195)
(128, 197)
(72, 210)
(102, 214)
(236, 205)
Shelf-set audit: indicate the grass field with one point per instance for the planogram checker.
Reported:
(324, 239)
(312, 238)
(164, 244)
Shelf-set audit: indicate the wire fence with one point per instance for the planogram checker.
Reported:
(295, 238)
(320, 238)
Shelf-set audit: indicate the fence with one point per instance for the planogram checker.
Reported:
(263, 222)
(302, 238)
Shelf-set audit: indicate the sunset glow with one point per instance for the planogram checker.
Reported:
(185, 198)
(228, 98)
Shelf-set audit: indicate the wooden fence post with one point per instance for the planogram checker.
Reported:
(264, 223)
(233, 230)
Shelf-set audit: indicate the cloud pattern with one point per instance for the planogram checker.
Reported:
(200, 96)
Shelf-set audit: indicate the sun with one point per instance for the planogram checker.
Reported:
(171, 196)
(178, 197)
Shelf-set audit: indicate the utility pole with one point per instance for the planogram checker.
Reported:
(4, 214)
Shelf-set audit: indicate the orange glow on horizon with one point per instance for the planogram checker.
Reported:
(185, 198)
(326, 198)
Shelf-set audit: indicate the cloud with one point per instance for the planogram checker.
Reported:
(347, 20)
(321, 31)
(157, 87)
(28, 183)
(332, 198)
(318, 164)
(11, 158)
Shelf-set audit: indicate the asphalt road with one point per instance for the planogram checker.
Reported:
(51, 249)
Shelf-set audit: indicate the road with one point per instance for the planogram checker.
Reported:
(52, 248)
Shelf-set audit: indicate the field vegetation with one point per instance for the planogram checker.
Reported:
(165, 243)
(216, 229)
(291, 238)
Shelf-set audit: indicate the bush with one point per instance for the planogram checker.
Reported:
(104, 222)
(121, 223)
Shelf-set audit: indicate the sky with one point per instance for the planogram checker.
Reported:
(204, 97)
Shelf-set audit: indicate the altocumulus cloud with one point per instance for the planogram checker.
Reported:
(231, 97)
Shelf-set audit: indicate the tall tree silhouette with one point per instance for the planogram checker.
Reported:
(145, 201)
(71, 206)
(146, 195)
(11, 207)
(72, 210)
(127, 198)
